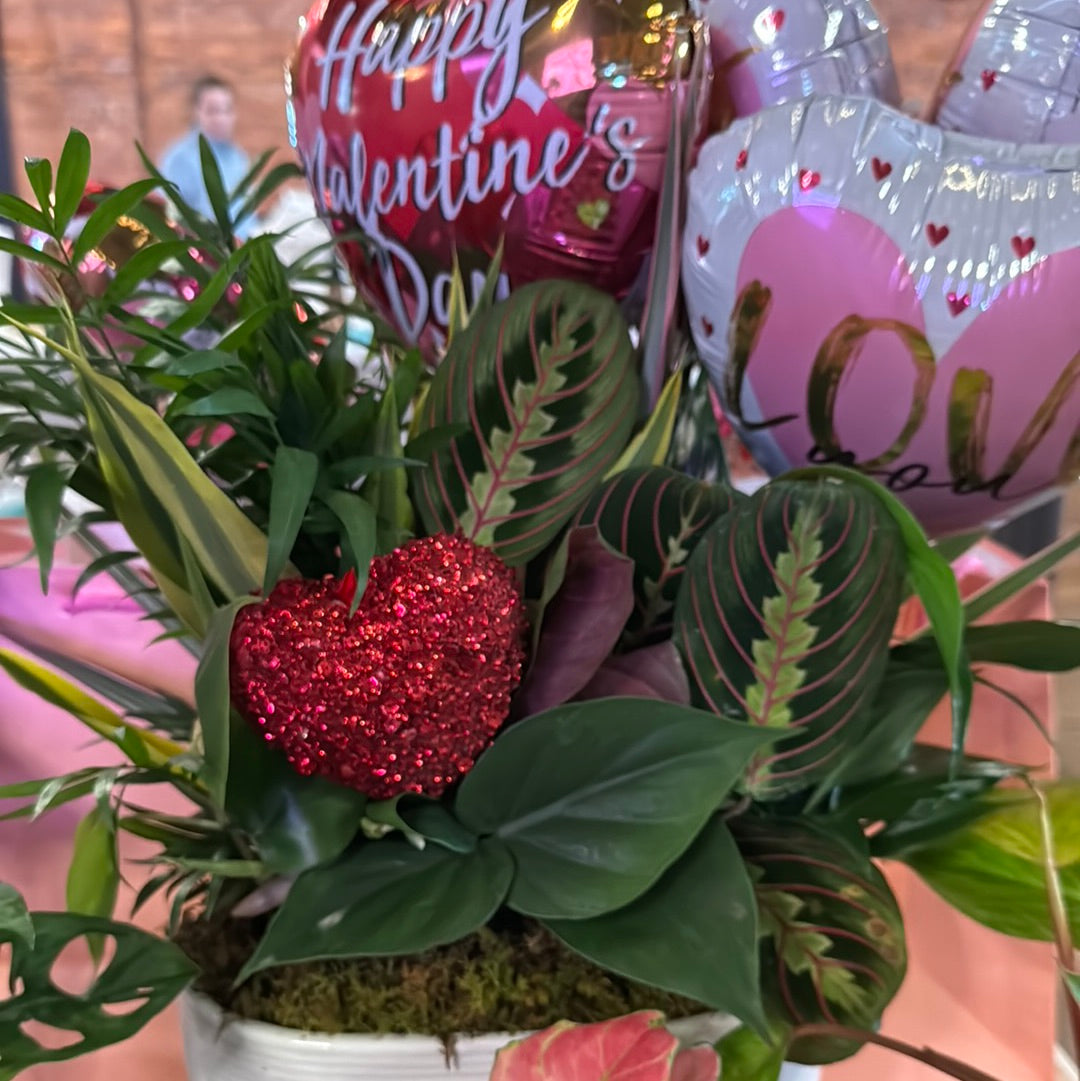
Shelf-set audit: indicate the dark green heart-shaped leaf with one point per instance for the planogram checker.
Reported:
(694, 933)
(833, 949)
(595, 800)
(545, 381)
(655, 516)
(294, 822)
(784, 619)
(386, 898)
(144, 976)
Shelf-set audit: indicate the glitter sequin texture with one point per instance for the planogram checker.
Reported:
(404, 695)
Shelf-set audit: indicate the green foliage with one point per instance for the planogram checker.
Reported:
(365, 903)
(784, 622)
(596, 800)
(702, 939)
(833, 946)
(655, 516)
(143, 977)
(992, 870)
(545, 383)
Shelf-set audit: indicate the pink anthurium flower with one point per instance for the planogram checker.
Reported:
(632, 1048)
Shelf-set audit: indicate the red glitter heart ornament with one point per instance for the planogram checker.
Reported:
(402, 696)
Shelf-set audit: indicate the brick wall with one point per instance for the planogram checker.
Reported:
(121, 71)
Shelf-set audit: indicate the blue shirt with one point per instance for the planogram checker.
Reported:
(182, 165)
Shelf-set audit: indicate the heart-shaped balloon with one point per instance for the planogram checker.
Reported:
(912, 311)
(401, 696)
(766, 52)
(450, 127)
(1017, 74)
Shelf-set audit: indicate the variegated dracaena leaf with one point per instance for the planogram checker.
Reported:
(784, 618)
(655, 516)
(832, 937)
(546, 383)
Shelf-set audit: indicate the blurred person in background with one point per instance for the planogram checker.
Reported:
(214, 105)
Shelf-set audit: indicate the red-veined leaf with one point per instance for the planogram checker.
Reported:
(545, 381)
(784, 619)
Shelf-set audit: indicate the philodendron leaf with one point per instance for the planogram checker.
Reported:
(581, 624)
(595, 800)
(695, 933)
(632, 1048)
(833, 947)
(545, 381)
(784, 619)
(143, 977)
(993, 870)
(655, 516)
(385, 898)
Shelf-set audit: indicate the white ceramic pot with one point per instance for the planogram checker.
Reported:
(218, 1047)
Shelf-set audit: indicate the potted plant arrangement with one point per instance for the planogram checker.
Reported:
(502, 722)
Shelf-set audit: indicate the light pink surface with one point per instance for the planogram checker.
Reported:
(970, 993)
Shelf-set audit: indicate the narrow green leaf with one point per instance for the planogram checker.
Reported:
(142, 266)
(595, 800)
(215, 188)
(651, 445)
(44, 497)
(365, 904)
(99, 565)
(1034, 644)
(201, 361)
(358, 521)
(21, 212)
(213, 699)
(1000, 590)
(143, 747)
(103, 218)
(39, 172)
(94, 875)
(388, 490)
(292, 477)
(226, 402)
(72, 174)
(31, 255)
(702, 939)
(202, 600)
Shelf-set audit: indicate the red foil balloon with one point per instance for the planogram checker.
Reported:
(446, 127)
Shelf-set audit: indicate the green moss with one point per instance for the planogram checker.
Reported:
(510, 978)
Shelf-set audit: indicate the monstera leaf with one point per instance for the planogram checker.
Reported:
(656, 517)
(833, 946)
(632, 1048)
(143, 976)
(545, 384)
(784, 618)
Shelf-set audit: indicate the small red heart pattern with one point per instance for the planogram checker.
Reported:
(880, 168)
(707, 326)
(989, 77)
(741, 159)
(702, 247)
(808, 179)
(1023, 246)
(958, 303)
(936, 233)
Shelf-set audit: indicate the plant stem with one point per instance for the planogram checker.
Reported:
(943, 1063)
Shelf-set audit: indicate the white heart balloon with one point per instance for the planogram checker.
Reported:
(867, 289)
(1017, 75)
(765, 53)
